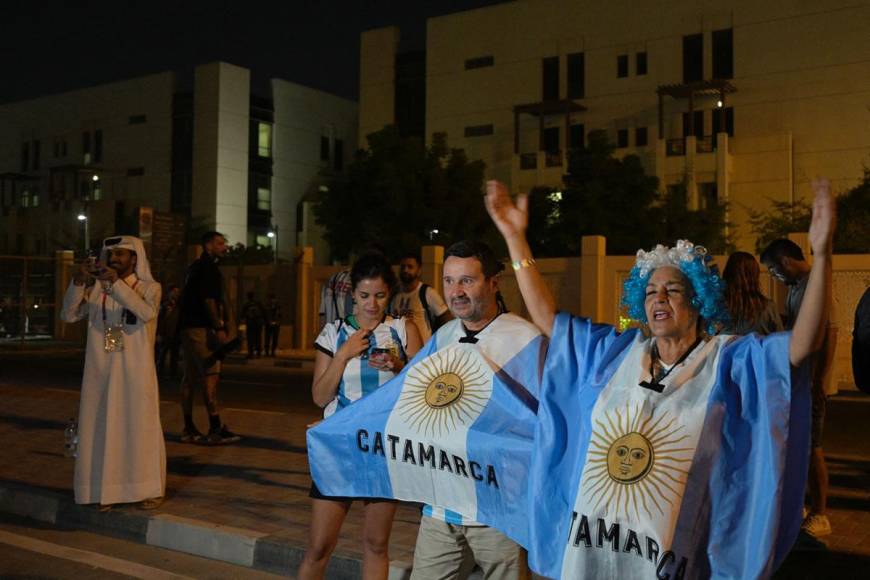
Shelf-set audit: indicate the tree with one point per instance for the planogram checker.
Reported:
(853, 220)
(400, 195)
(615, 198)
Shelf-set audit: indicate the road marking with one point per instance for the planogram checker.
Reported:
(88, 558)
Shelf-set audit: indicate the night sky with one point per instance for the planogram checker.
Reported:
(52, 46)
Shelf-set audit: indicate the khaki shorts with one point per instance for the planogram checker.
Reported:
(448, 551)
(198, 345)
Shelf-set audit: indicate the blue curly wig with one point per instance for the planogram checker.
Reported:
(695, 264)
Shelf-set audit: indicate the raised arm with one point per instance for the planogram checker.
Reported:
(512, 220)
(811, 324)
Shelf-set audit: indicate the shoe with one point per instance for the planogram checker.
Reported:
(222, 437)
(151, 503)
(817, 525)
(104, 508)
(191, 435)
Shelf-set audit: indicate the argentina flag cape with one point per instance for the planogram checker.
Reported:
(453, 430)
(705, 479)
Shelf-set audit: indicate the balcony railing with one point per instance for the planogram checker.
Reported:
(706, 144)
(553, 159)
(675, 147)
(528, 161)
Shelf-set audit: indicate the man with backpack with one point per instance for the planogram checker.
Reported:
(418, 301)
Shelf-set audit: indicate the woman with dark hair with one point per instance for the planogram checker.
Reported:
(354, 357)
(750, 310)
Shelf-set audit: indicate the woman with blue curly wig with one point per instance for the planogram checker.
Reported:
(674, 452)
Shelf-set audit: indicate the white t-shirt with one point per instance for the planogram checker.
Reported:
(408, 305)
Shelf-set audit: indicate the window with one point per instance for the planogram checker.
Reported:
(264, 140)
(29, 198)
(697, 120)
(479, 62)
(707, 195)
(576, 75)
(640, 63)
(728, 112)
(622, 66)
(98, 146)
(693, 58)
(25, 157)
(551, 140)
(137, 119)
(479, 130)
(36, 150)
(723, 54)
(338, 155)
(640, 137)
(135, 171)
(577, 137)
(324, 148)
(550, 78)
(622, 138)
(86, 147)
(264, 198)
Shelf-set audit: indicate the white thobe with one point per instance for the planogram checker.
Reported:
(121, 454)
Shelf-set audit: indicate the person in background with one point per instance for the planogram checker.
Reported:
(785, 261)
(336, 298)
(354, 357)
(750, 310)
(204, 316)
(861, 344)
(273, 325)
(417, 301)
(167, 332)
(254, 315)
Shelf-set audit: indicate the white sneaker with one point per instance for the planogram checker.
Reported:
(817, 525)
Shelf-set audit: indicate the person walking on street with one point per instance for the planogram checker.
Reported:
(204, 322)
(417, 301)
(254, 316)
(273, 325)
(121, 456)
(785, 261)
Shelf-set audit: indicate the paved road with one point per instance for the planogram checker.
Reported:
(258, 386)
(31, 550)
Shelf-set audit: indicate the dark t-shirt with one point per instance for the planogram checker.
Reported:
(204, 281)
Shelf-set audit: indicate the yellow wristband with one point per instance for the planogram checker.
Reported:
(524, 263)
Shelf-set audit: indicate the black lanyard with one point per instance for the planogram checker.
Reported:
(655, 384)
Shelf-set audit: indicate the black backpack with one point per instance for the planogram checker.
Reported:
(429, 318)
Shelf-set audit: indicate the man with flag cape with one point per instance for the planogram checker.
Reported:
(681, 454)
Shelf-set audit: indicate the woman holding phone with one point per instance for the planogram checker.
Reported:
(354, 357)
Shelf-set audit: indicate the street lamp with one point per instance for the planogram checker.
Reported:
(272, 234)
(83, 217)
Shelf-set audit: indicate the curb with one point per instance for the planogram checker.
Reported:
(225, 543)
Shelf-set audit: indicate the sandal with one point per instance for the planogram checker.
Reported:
(151, 503)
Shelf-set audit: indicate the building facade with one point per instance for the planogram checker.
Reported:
(745, 101)
(78, 166)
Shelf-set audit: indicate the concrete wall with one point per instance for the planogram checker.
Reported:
(302, 117)
(377, 87)
(220, 148)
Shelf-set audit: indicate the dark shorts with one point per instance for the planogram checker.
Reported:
(198, 345)
(820, 404)
(314, 493)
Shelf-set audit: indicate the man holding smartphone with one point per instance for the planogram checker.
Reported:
(204, 319)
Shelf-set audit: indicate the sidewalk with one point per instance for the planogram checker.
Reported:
(248, 503)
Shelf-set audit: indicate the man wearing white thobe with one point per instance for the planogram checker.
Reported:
(121, 454)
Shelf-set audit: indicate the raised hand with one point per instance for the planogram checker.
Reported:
(824, 220)
(510, 219)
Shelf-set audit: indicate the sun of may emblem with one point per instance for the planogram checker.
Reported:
(637, 462)
(444, 391)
